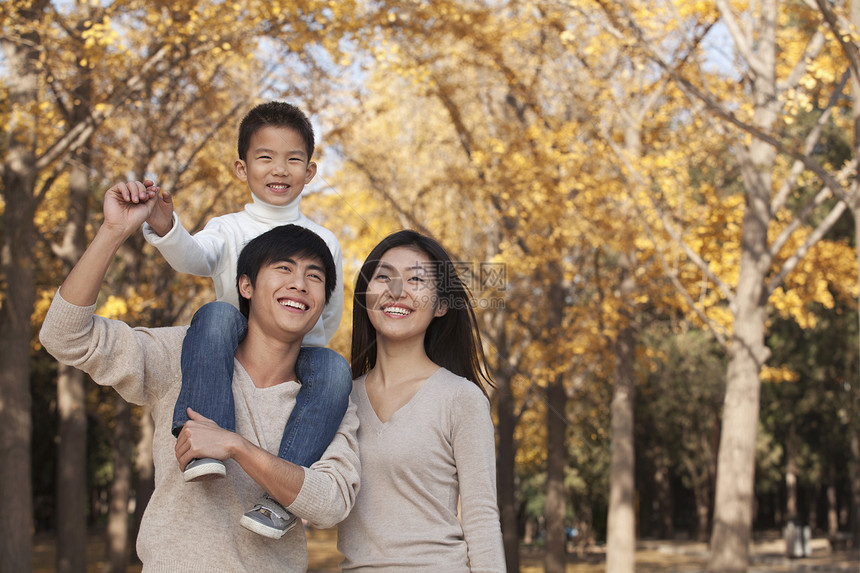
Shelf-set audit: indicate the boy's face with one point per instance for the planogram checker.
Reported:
(287, 299)
(276, 167)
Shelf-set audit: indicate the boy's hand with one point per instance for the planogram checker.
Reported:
(127, 205)
(161, 218)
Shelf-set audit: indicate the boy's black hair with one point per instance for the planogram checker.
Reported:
(277, 114)
(279, 244)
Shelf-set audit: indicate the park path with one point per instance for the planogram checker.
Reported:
(652, 556)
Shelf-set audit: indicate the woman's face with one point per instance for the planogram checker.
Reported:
(402, 296)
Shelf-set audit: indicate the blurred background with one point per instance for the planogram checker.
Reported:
(654, 204)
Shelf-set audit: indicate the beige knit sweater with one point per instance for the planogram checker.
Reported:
(435, 451)
(191, 527)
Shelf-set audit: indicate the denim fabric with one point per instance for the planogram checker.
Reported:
(208, 353)
(320, 405)
(207, 359)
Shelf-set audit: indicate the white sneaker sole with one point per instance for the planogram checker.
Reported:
(205, 472)
(264, 530)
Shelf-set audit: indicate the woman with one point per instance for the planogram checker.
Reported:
(425, 434)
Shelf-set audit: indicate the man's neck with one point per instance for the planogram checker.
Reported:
(267, 361)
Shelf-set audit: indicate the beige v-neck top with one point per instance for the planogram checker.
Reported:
(435, 450)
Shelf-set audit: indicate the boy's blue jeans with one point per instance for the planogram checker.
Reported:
(208, 353)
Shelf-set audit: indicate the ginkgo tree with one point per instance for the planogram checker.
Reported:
(788, 61)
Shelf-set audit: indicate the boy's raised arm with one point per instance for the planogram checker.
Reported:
(161, 217)
(126, 207)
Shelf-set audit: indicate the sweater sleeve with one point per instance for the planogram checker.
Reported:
(475, 456)
(200, 254)
(140, 363)
(331, 484)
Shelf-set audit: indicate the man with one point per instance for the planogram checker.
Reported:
(283, 278)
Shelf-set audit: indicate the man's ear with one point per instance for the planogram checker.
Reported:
(240, 168)
(246, 289)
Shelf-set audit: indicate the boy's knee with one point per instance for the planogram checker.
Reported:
(218, 318)
(341, 367)
(318, 360)
(216, 310)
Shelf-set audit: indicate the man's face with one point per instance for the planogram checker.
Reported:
(276, 166)
(287, 299)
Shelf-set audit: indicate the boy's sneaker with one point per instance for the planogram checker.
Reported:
(269, 518)
(204, 469)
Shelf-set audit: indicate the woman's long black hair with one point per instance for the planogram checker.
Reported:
(452, 340)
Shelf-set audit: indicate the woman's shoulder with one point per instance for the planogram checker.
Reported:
(358, 383)
(458, 384)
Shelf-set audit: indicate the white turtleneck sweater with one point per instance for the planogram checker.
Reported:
(214, 251)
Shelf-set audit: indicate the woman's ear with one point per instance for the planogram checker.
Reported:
(441, 308)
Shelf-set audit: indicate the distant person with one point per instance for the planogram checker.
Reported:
(426, 438)
(192, 527)
(275, 147)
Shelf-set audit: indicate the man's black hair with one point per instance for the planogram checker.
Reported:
(279, 244)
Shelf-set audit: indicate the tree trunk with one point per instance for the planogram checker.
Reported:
(120, 490)
(736, 463)
(16, 493)
(16, 302)
(71, 391)
(665, 502)
(700, 478)
(855, 482)
(621, 521)
(790, 477)
(71, 471)
(854, 396)
(584, 526)
(703, 496)
(556, 498)
(505, 465)
(736, 460)
(733, 508)
(832, 508)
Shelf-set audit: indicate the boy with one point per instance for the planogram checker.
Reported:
(188, 527)
(275, 147)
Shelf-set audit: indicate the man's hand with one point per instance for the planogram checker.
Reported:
(161, 218)
(202, 438)
(127, 205)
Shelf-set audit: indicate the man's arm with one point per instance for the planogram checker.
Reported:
(139, 363)
(203, 438)
(126, 207)
(323, 494)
